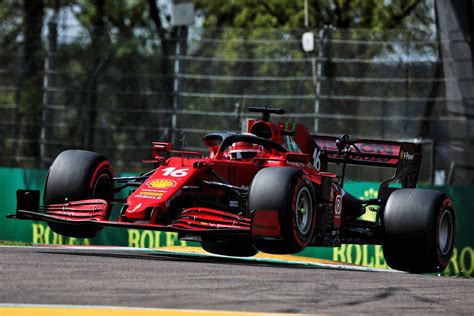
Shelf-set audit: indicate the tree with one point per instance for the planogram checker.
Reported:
(354, 22)
(122, 47)
(367, 14)
(31, 102)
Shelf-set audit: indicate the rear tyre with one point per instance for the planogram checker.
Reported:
(289, 191)
(230, 248)
(78, 175)
(419, 230)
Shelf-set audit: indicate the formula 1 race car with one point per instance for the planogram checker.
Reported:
(265, 190)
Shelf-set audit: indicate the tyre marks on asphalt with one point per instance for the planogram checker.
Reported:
(198, 252)
(165, 278)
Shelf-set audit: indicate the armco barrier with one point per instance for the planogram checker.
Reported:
(462, 262)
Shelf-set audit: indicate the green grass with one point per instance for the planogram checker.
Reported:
(14, 243)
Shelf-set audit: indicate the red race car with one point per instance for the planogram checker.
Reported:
(266, 190)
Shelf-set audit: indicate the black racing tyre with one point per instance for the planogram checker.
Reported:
(290, 191)
(230, 248)
(419, 230)
(78, 175)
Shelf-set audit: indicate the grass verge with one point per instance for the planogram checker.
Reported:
(14, 243)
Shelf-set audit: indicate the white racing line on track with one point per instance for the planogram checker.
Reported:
(74, 310)
(200, 253)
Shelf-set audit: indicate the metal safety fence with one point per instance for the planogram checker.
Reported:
(116, 101)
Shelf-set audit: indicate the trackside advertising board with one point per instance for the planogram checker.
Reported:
(462, 262)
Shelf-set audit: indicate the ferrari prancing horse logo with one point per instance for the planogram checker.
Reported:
(338, 205)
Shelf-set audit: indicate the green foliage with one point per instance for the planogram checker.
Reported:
(116, 60)
(375, 15)
(14, 243)
(355, 21)
(10, 25)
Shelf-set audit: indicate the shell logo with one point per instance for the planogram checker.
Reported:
(161, 184)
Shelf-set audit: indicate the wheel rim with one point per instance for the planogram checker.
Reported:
(445, 232)
(102, 187)
(304, 211)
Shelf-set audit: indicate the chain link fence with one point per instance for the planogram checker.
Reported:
(118, 100)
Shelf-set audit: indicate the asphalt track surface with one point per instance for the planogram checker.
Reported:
(114, 277)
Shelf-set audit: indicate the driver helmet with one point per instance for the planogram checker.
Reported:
(242, 150)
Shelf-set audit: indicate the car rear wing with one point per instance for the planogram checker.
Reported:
(405, 157)
(366, 152)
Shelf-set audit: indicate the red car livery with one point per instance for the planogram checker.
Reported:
(267, 190)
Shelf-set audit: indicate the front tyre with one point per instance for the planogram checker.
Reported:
(419, 230)
(289, 191)
(78, 175)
